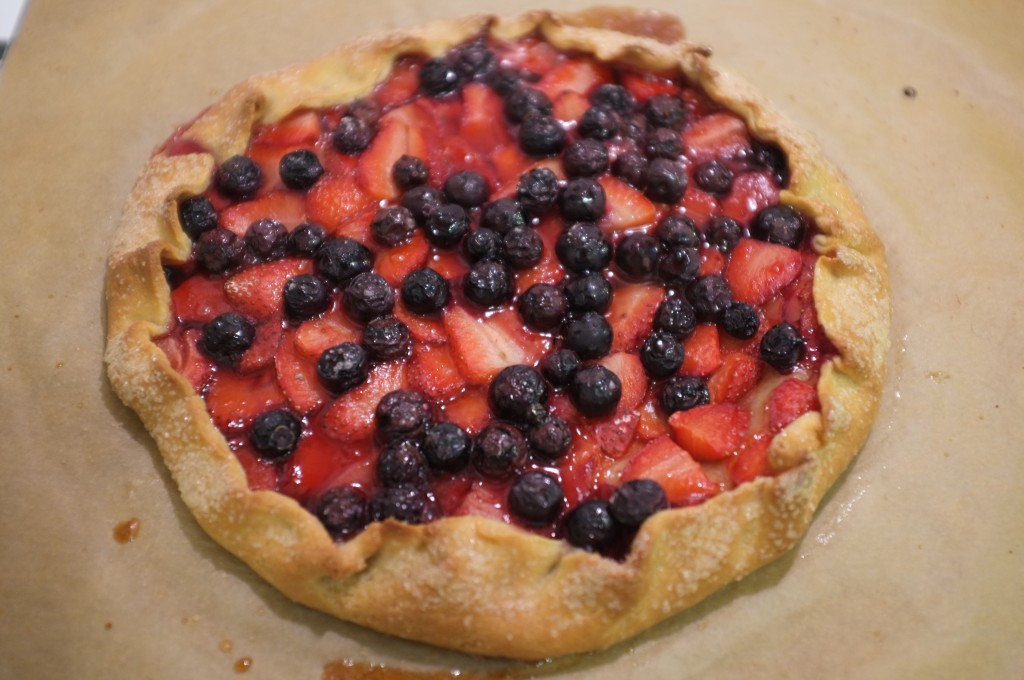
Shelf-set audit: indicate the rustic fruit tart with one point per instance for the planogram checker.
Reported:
(513, 336)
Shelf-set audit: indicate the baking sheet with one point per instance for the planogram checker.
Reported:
(914, 567)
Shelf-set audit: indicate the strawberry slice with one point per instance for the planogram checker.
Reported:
(643, 86)
(699, 206)
(790, 400)
(315, 463)
(549, 269)
(429, 328)
(401, 85)
(712, 261)
(532, 54)
(570, 106)
(258, 291)
(260, 474)
(652, 424)
(470, 411)
(702, 351)
(737, 375)
(630, 370)
(433, 371)
(394, 264)
(287, 207)
(296, 374)
(751, 193)
(199, 299)
(615, 433)
(631, 314)
(719, 135)
(335, 199)
(663, 461)
(264, 348)
(751, 462)
(484, 500)
(509, 163)
(351, 416)
(625, 206)
(302, 128)
(316, 336)
(399, 133)
(234, 401)
(573, 75)
(758, 270)
(583, 471)
(483, 347)
(482, 109)
(183, 353)
(712, 431)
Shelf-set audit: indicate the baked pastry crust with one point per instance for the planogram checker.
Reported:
(470, 583)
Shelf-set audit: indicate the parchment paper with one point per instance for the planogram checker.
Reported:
(914, 567)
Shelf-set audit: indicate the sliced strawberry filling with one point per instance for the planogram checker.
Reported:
(509, 283)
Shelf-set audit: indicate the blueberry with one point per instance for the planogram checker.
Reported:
(275, 434)
(714, 177)
(483, 244)
(341, 258)
(474, 61)
(676, 316)
(446, 446)
(631, 167)
(633, 127)
(582, 200)
(589, 292)
(300, 169)
(197, 216)
(661, 354)
(425, 291)
(403, 414)
(523, 248)
(393, 226)
(665, 181)
(542, 307)
(591, 526)
(467, 188)
(740, 320)
(343, 510)
(560, 366)
(541, 135)
(614, 96)
(635, 501)
(769, 155)
(306, 296)
(724, 233)
(589, 335)
(595, 391)
(584, 248)
(585, 158)
(679, 266)
(368, 296)
(638, 256)
(226, 338)
(352, 135)
(409, 171)
(306, 239)
(663, 143)
(709, 295)
(218, 250)
(438, 78)
(525, 102)
(537, 190)
(498, 450)
(386, 338)
(267, 239)
(342, 367)
(446, 224)
(506, 79)
(239, 177)
(550, 438)
(421, 201)
(677, 230)
(504, 215)
(402, 464)
(782, 347)
(488, 284)
(598, 122)
(681, 393)
(404, 503)
(536, 497)
(780, 224)
(665, 110)
(515, 389)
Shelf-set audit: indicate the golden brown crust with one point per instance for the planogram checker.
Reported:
(470, 583)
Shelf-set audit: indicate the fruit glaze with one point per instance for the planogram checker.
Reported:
(510, 282)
